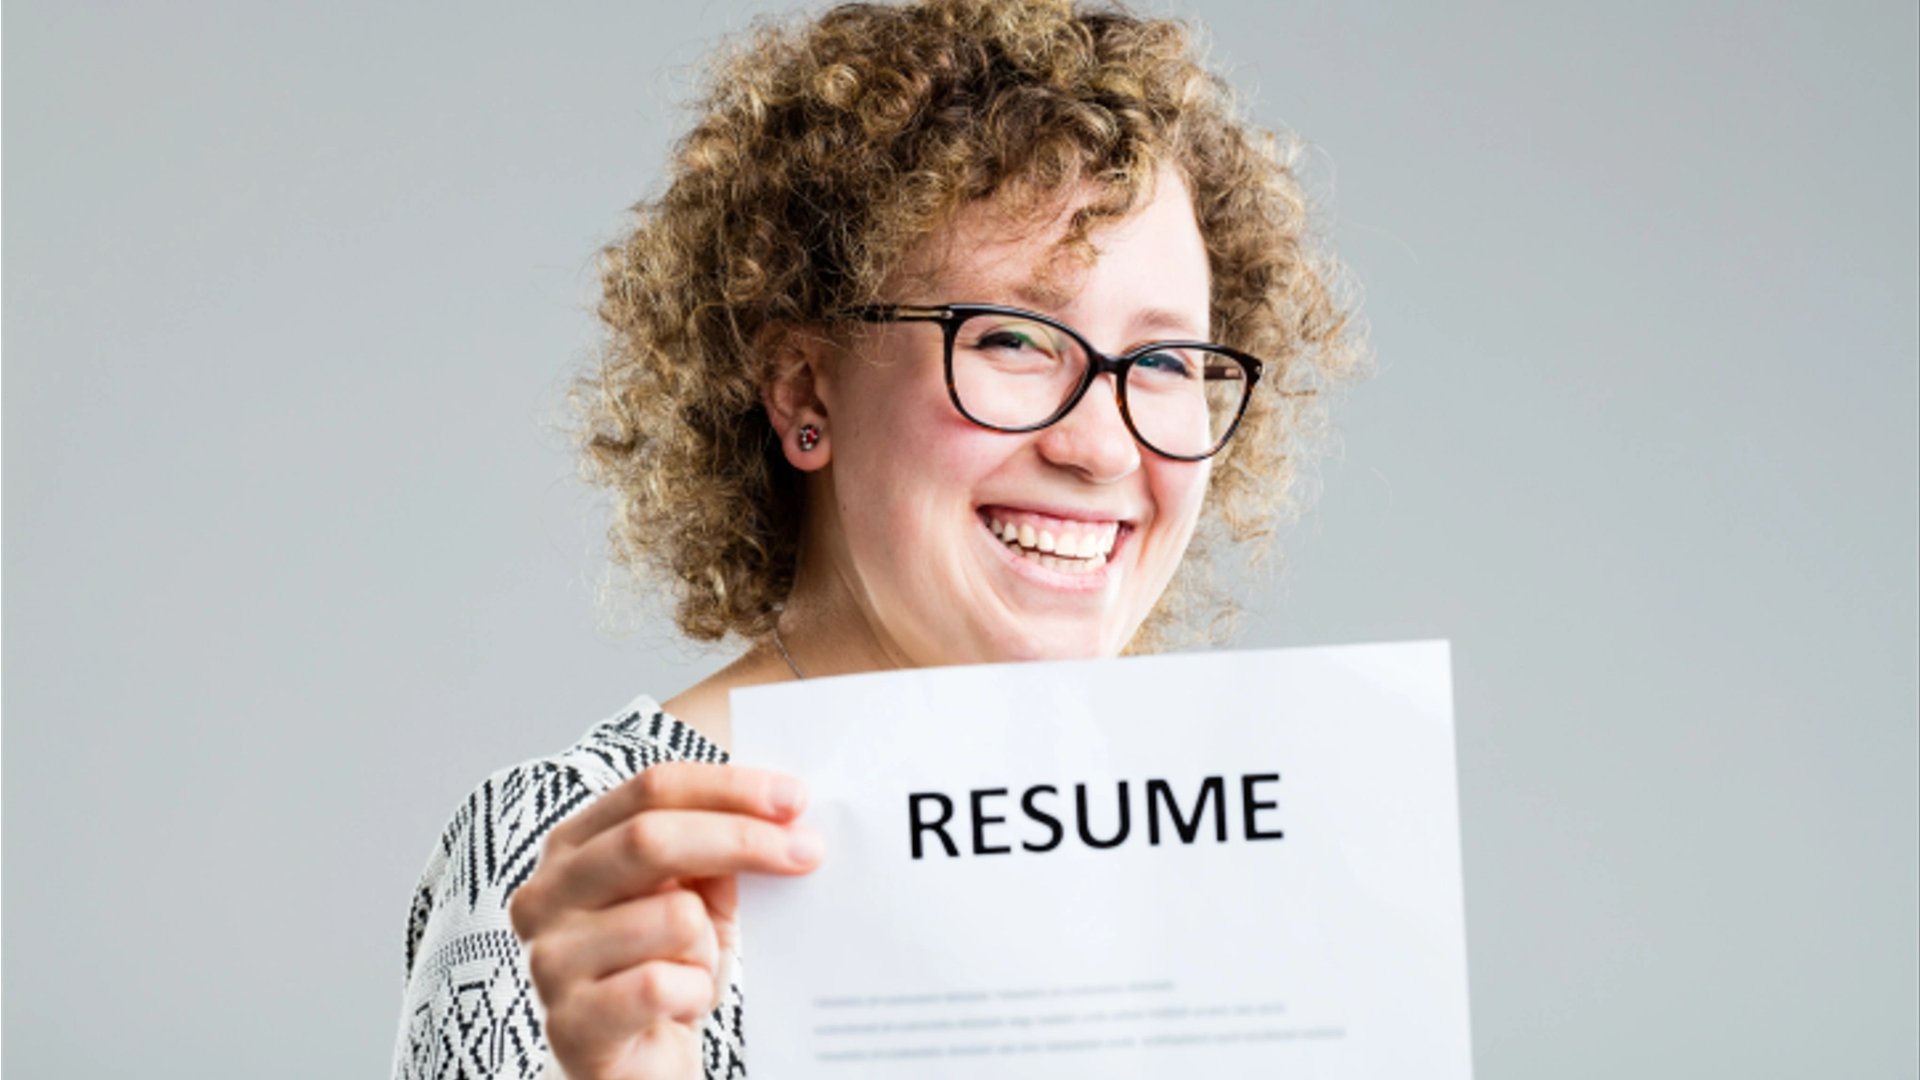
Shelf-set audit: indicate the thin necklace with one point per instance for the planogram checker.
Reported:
(784, 654)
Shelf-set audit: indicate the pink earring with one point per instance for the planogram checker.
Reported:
(809, 437)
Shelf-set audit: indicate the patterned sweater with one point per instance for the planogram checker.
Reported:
(469, 1010)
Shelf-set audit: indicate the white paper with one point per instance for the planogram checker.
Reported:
(1337, 949)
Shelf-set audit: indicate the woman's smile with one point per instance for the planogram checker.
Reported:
(1076, 546)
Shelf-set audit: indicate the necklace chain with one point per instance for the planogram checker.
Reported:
(784, 654)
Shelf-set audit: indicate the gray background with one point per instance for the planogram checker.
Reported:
(292, 556)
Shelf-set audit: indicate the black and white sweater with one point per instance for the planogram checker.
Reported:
(470, 1012)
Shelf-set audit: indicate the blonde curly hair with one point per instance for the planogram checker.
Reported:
(825, 150)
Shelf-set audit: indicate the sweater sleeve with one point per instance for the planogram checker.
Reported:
(469, 1009)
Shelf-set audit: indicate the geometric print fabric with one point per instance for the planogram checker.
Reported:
(469, 1011)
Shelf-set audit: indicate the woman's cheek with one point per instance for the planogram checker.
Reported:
(1180, 490)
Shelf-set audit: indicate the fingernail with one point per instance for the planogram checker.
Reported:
(788, 796)
(803, 846)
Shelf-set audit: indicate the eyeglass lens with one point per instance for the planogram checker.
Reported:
(1017, 373)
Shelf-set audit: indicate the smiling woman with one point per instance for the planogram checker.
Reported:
(956, 324)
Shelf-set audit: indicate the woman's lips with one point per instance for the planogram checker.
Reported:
(1063, 545)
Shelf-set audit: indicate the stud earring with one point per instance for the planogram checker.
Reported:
(809, 437)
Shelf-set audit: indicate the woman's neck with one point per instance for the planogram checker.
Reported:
(704, 706)
(825, 630)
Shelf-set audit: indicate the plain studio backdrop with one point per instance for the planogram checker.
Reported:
(293, 557)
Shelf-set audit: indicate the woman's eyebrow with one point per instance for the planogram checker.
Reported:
(1041, 295)
(1047, 298)
(1165, 320)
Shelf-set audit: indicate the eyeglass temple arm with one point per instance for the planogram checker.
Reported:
(897, 313)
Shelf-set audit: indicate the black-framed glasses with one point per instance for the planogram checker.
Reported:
(1017, 371)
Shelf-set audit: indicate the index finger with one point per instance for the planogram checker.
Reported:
(689, 785)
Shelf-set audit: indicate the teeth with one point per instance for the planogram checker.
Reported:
(1064, 566)
(1067, 552)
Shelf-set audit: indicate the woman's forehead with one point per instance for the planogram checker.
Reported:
(1046, 279)
(986, 253)
(984, 247)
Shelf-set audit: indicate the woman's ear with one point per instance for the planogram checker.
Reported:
(798, 359)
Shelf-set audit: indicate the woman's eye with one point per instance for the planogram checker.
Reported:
(1167, 363)
(1005, 339)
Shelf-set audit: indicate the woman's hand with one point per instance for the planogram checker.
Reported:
(632, 911)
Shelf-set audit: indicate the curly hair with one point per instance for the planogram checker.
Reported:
(824, 151)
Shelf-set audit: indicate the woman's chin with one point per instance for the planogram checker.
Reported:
(1049, 640)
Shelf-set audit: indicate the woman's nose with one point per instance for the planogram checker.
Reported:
(1093, 439)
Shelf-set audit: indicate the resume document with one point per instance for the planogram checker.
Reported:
(1234, 864)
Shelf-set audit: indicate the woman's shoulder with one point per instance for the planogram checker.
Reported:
(618, 747)
(493, 839)
(459, 940)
